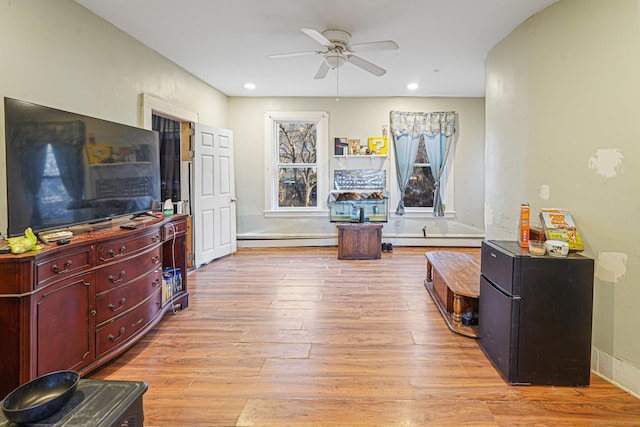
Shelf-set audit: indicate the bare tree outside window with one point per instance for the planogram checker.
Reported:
(419, 192)
(297, 167)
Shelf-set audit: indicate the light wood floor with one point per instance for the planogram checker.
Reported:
(296, 337)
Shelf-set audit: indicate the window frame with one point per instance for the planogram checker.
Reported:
(272, 118)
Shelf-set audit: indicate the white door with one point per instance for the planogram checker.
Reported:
(214, 203)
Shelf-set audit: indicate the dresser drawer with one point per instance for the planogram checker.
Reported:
(62, 266)
(174, 229)
(122, 248)
(123, 328)
(119, 300)
(497, 266)
(115, 275)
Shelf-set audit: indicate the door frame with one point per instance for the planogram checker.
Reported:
(150, 105)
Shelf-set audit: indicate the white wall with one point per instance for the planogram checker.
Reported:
(58, 54)
(562, 108)
(358, 118)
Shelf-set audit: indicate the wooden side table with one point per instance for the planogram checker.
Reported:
(359, 240)
(99, 403)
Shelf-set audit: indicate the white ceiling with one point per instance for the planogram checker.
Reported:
(443, 43)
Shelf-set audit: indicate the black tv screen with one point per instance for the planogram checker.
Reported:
(66, 169)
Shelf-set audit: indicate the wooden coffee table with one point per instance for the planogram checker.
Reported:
(453, 281)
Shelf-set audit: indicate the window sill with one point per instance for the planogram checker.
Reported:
(420, 214)
(297, 213)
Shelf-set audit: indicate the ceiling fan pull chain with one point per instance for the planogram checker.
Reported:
(337, 83)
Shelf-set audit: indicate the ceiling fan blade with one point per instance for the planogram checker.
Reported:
(366, 65)
(292, 54)
(322, 71)
(318, 37)
(374, 46)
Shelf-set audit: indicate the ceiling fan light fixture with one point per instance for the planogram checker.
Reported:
(335, 61)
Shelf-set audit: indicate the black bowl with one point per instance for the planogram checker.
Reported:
(41, 397)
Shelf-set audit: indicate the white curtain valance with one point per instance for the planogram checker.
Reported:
(429, 124)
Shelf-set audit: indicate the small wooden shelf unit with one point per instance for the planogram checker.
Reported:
(359, 240)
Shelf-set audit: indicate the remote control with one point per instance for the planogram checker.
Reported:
(131, 226)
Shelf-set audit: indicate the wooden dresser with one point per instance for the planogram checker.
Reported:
(79, 305)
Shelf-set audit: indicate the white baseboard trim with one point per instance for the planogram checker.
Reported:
(274, 241)
(616, 371)
(286, 243)
(451, 242)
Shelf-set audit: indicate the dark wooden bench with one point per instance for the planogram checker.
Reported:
(453, 281)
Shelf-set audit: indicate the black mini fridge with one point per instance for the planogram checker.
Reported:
(534, 315)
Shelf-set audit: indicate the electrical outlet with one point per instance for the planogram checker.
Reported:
(398, 223)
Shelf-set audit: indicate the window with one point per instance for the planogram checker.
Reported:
(297, 162)
(297, 168)
(419, 192)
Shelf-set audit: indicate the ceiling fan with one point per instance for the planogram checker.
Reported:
(337, 51)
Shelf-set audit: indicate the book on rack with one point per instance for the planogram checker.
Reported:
(558, 224)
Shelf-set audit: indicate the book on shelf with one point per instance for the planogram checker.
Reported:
(341, 147)
(558, 224)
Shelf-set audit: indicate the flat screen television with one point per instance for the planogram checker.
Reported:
(66, 169)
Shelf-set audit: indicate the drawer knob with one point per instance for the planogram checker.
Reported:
(155, 238)
(93, 312)
(155, 259)
(113, 307)
(113, 279)
(113, 338)
(59, 270)
(155, 283)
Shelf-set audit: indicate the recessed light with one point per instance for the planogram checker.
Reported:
(249, 86)
(412, 86)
